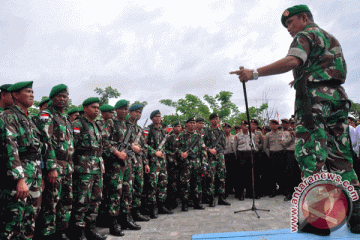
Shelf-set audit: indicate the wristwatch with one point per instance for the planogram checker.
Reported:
(255, 74)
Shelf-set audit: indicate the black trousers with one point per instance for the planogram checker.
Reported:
(292, 172)
(230, 163)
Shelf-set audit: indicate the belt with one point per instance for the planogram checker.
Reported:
(29, 156)
(93, 153)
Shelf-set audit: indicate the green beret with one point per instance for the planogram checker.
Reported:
(176, 124)
(45, 100)
(154, 113)
(213, 115)
(81, 109)
(136, 107)
(106, 108)
(164, 124)
(200, 119)
(5, 87)
(73, 110)
(122, 103)
(19, 86)
(91, 100)
(192, 119)
(288, 13)
(225, 124)
(61, 88)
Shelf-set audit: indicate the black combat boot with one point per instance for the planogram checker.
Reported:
(212, 201)
(198, 205)
(137, 216)
(354, 221)
(222, 201)
(163, 209)
(184, 206)
(91, 233)
(61, 235)
(128, 223)
(78, 233)
(115, 228)
(153, 211)
(205, 199)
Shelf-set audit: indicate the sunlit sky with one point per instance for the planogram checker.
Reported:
(153, 50)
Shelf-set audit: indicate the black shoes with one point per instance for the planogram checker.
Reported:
(197, 205)
(137, 216)
(153, 211)
(62, 236)
(127, 222)
(79, 233)
(164, 210)
(288, 197)
(212, 201)
(222, 201)
(115, 228)
(184, 207)
(92, 233)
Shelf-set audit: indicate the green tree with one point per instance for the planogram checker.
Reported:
(144, 103)
(106, 94)
(355, 109)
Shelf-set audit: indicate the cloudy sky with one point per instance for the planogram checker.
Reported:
(152, 50)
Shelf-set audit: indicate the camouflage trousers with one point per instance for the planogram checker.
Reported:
(112, 193)
(18, 215)
(127, 188)
(57, 204)
(87, 190)
(138, 186)
(157, 181)
(173, 179)
(191, 179)
(217, 170)
(327, 147)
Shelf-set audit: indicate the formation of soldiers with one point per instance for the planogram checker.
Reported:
(66, 173)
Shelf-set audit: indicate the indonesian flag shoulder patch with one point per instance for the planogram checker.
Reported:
(44, 116)
(76, 130)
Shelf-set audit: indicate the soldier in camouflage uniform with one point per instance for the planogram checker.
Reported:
(140, 162)
(193, 164)
(21, 172)
(216, 160)
(125, 217)
(88, 171)
(321, 105)
(5, 97)
(73, 114)
(157, 178)
(58, 196)
(171, 145)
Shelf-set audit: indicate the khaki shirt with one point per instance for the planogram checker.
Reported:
(289, 141)
(242, 142)
(274, 141)
(230, 144)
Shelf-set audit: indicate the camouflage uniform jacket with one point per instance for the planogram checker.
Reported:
(186, 140)
(1, 110)
(57, 129)
(21, 143)
(172, 146)
(211, 135)
(322, 61)
(88, 141)
(142, 156)
(153, 139)
(114, 135)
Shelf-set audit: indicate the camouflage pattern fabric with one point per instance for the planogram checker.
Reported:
(192, 168)
(57, 198)
(171, 146)
(87, 190)
(88, 170)
(217, 167)
(20, 148)
(157, 178)
(325, 140)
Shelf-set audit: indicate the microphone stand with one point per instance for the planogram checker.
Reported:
(253, 208)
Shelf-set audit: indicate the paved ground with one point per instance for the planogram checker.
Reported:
(182, 225)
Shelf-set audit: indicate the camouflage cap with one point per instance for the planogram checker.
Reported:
(5, 87)
(73, 110)
(225, 124)
(192, 119)
(61, 88)
(91, 100)
(136, 107)
(19, 86)
(106, 108)
(43, 101)
(121, 103)
(237, 127)
(274, 121)
(154, 113)
(288, 13)
(200, 119)
(213, 115)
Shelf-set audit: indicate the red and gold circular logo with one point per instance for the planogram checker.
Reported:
(286, 13)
